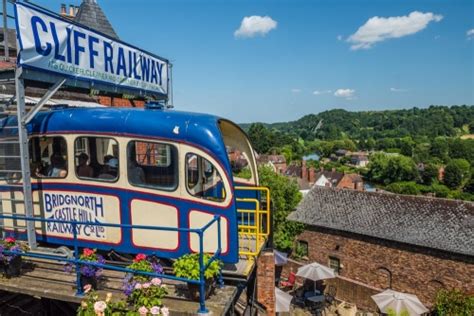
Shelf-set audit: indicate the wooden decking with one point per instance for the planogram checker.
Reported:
(48, 280)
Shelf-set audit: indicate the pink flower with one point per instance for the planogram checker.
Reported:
(100, 306)
(156, 281)
(88, 252)
(139, 257)
(87, 288)
(143, 310)
(155, 310)
(10, 240)
(138, 286)
(146, 285)
(165, 311)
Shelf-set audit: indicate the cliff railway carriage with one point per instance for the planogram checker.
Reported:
(148, 166)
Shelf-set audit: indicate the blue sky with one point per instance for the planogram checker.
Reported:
(296, 57)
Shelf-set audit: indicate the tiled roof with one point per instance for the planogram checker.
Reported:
(333, 176)
(91, 15)
(427, 222)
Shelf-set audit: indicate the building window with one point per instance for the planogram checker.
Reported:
(153, 165)
(48, 157)
(96, 158)
(302, 248)
(335, 264)
(203, 180)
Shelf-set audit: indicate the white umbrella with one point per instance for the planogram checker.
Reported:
(315, 271)
(399, 302)
(281, 258)
(282, 301)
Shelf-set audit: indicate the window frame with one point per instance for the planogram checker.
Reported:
(333, 258)
(33, 174)
(213, 163)
(88, 144)
(153, 187)
(305, 244)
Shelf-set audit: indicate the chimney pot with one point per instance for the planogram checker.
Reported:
(63, 8)
(333, 170)
(71, 10)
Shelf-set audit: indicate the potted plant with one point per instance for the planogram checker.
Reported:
(89, 274)
(11, 263)
(145, 293)
(187, 267)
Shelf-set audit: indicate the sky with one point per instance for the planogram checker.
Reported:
(272, 61)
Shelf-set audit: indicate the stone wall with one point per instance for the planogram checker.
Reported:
(377, 264)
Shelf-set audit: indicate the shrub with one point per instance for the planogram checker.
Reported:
(187, 267)
(454, 303)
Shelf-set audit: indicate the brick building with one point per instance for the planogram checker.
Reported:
(377, 241)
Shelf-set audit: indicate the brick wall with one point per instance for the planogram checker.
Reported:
(346, 183)
(120, 102)
(373, 263)
(266, 282)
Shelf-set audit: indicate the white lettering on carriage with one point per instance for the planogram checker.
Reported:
(70, 207)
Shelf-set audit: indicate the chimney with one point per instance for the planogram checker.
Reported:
(71, 10)
(359, 186)
(76, 9)
(312, 175)
(304, 170)
(333, 169)
(63, 9)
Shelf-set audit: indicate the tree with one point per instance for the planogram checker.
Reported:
(285, 196)
(387, 169)
(456, 173)
(260, 137)
(410, 188)
(429, 174)
(454, 303)
(440, 148)
(406, 146)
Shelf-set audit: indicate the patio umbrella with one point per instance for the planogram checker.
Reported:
(399, 302)
(315, 271)
(282, 301)
(281, 258)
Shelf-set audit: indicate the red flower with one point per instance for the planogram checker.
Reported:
(139, 257)
(88, 252)
(10, 240)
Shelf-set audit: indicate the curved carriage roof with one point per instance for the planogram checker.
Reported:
(199, 129)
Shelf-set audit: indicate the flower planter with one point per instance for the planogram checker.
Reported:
(193, 289)
(89, 280)
(12, 268)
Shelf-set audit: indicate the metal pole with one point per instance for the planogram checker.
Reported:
(79, 290)
(5, 32)
(220, 280)
(170, 101)
(25, 158)
(202, 285)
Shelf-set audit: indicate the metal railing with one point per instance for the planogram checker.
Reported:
(254, 226)
(77, 262)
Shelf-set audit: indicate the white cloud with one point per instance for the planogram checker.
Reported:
(345, 93)
(398, 90)
(378, 29)
(255, 25)
(319, 92)
(470, 34)
(296, 90)
(339, 37)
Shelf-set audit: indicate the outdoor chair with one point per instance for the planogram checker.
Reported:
(299, 298)
(290, 283)
(331, 294)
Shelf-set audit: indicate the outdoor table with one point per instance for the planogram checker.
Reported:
(316, 298)
(311, 293)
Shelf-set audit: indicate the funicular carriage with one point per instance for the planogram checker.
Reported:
(101, 177)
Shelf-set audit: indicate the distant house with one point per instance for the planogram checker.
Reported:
(340, 180)
(360, 161)
(341, 152)
(277, 162)
(376, 241)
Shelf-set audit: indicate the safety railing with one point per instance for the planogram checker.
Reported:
(254, 223)
(77, 262)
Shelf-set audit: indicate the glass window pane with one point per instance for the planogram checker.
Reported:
(203, 180)
(96, 158)
(48, 157)
(152, 165)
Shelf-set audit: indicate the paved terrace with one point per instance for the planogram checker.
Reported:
(48, 280)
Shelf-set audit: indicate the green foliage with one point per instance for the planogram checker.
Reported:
(410, 188)
(148, 295)
(245, 173)
(456, 173)
(187, 267)
(454, 303)
(387, 169)
(440, 190)
(429, 174)
(391, 312)
(107, 306)
(285, 196)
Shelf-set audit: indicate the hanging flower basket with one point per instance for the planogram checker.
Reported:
(10, 264)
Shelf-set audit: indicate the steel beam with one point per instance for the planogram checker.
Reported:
(51, 91)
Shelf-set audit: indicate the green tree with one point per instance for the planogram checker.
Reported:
(410, 188)
(285, 196)
(406, 146)
(261, 138)
(387, 169)
(456, 173)
(454, 303)
(429, 174)
(440, 148)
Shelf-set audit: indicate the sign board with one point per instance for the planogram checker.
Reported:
(49, 43)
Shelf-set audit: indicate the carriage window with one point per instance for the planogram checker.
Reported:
(203, 180)
(48, 157)
(153, 165)
(96, 158)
